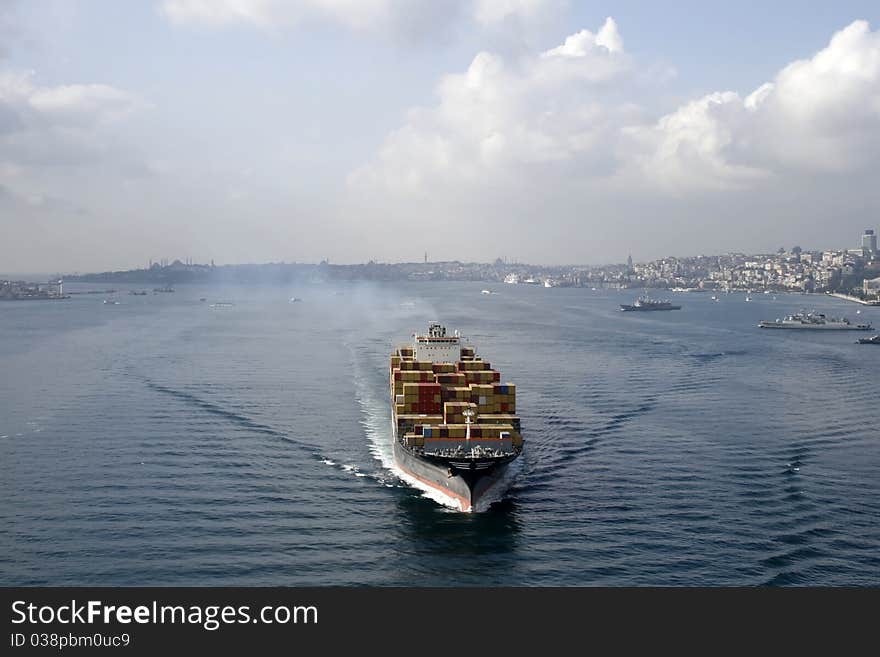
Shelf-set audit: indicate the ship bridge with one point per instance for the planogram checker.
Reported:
(437, 346)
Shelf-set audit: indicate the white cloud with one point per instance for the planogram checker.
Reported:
(89, 102)
(500, 115)
(687, 149)
(818, 115)
(353, 14)
(585, 42)
(43, 128)
(278, 14)
(489, 12)
(83, 101)
(559, 133)
(569, 104)
(221, 12)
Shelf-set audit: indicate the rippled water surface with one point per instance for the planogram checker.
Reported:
(166, 441)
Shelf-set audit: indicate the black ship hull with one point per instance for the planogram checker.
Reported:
(468, 483)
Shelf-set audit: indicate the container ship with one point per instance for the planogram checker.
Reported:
(454, 423)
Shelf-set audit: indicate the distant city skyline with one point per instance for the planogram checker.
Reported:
(867, 243)
(542, 130)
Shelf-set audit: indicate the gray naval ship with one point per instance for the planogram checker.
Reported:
(646, 304)
(814, 322)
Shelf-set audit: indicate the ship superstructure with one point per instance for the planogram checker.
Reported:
(454, 423)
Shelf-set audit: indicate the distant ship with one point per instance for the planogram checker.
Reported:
(814, 321)
(645, 304)
(167, 288)
(874, 339)
(453, 421)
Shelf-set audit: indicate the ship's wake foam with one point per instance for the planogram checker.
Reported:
(377, 426)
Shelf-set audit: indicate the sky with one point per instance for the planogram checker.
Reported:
(542, 131)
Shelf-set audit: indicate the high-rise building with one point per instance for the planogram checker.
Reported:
(869, 241)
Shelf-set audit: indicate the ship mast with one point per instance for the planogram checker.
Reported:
(468, 415)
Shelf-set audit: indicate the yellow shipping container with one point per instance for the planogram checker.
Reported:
(494, 430)
(413, 376)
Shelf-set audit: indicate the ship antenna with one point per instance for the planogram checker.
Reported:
(468, 415)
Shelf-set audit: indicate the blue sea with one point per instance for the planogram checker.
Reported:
(169, 441)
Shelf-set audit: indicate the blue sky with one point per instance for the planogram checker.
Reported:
(302, 130)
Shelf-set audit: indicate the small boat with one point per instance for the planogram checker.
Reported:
(295, 299)
(203, 299)
(874, 339)
(714, 298)
(485, 291)
(110, 302)
(748, 298)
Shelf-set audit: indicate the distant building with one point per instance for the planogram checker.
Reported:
(871, 286)
(869, 242)
(855, 254)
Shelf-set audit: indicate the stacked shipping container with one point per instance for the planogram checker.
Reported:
(430, 399)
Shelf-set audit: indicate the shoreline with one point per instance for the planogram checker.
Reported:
(848, 297)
